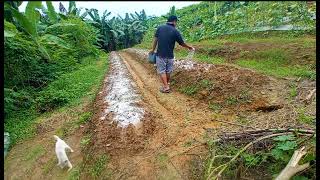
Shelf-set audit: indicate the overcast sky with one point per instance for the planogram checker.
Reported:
(156, 8)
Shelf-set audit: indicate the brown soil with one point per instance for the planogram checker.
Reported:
(225, 82)
(168, 143)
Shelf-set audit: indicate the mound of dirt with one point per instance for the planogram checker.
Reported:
(224, 87)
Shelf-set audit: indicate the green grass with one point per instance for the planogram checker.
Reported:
(242, 120)
(277, 56)
(273, 68)
(74, 174)
(293, 91)
(275, 62)
(188, 143)
(215, 106)
(231, 100)
(35, 153)
(206, 83)
(162, 159)
(49, 165)
(189, 90)
(84, 117)
(66, 91)
(85, 141)
(304, 117)
(99, 165)
(182, 54)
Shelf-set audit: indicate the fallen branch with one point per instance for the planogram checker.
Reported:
(261, 132)
(224, 166)
(293, 167)
(307, 100)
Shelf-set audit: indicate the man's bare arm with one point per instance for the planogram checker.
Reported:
(186, 46)
(154, 44)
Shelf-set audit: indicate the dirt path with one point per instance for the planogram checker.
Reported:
(177, 123)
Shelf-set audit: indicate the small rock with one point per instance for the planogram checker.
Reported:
(108, 145)
(81, 126)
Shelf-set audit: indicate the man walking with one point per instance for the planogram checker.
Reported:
(165, 37)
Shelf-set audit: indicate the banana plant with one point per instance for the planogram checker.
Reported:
(7, 13)
(72, 11)
(29, 23)
(108, 31)
(53, 17)
(172, 11)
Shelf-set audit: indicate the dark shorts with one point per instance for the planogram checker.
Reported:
(164, 65)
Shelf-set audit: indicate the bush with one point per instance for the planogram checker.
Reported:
(13, 101)
(26, 72)
(80, 35)
(21, 60)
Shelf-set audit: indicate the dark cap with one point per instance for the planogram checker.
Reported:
(172, 18)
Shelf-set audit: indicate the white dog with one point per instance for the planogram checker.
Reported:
(61, 147)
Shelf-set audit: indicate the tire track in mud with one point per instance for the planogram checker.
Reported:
(176, 118)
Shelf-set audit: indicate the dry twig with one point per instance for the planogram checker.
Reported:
(307, 100)
(293, 167)
(224, 166)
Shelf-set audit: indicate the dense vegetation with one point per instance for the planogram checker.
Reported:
(46, 51)
(211, 19)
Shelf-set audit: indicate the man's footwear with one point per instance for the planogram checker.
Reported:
(164, 90)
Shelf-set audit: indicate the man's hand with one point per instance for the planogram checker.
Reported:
(191, 48)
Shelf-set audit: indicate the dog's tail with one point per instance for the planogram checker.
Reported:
(56, 137)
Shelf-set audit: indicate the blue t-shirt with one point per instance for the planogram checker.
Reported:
(167, 36)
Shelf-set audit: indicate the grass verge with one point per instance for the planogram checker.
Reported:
(292, 54)
(64, 92)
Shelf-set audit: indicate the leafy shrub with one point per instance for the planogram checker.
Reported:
(21, 58)
(15, 100)
(78, 34)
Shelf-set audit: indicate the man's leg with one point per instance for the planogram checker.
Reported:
(169, 69)
(164, 81)
(168, 77)
(161, 68)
